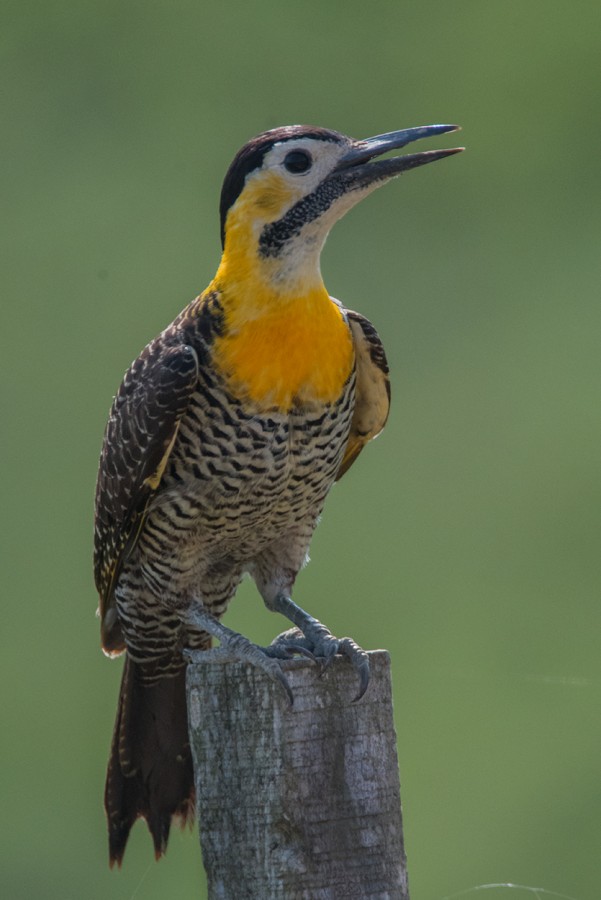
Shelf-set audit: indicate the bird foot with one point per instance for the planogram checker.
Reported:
(313, 640)
(238, 646)
(317, 643)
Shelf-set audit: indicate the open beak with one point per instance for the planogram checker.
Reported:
(358, 170)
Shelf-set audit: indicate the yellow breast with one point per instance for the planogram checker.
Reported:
(296, 351)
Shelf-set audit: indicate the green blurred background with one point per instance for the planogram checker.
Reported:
(465, 539)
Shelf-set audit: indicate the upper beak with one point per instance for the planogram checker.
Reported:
(359, 171)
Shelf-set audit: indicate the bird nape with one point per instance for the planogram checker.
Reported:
(222, 443)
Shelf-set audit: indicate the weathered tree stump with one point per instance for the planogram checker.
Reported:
(302, 801)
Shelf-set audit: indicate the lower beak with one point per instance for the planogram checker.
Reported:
(357, 169)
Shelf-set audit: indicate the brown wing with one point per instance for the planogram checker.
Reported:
(140, 433)
(372, 398)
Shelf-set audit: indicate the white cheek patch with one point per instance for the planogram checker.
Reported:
(325, 156)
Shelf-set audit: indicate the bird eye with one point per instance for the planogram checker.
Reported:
(297, 161)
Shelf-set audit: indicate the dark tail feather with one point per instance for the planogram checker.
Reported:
(150, 767)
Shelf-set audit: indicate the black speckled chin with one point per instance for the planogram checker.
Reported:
(277, 234)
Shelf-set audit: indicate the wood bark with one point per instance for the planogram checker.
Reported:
(300, 802)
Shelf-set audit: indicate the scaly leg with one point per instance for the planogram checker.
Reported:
(199, 618)
(311, 637)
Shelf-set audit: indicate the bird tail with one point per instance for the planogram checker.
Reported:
(150, 766)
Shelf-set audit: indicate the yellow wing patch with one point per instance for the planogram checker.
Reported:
(154, 480)
(372, 392)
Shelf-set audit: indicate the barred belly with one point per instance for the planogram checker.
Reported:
(242, 493)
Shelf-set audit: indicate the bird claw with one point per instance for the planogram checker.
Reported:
(355, 654)
(313, 641)
(237, 645)
(289, 643)
(302, 651)
(319, 645)
(359, 661)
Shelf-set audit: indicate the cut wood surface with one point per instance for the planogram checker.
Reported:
(302, 801)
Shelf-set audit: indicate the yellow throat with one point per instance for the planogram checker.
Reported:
(285, 342)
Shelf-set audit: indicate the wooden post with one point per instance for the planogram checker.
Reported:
(301, 802)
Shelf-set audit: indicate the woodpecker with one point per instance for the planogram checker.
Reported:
(222, 443)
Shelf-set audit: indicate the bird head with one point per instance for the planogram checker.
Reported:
(287, 187)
